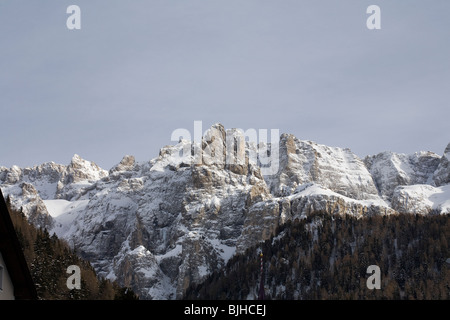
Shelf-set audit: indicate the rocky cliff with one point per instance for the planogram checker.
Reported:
(162, 224)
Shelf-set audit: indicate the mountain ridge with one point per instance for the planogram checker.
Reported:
(160, 225)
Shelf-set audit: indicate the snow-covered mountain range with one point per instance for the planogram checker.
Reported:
(162, 224)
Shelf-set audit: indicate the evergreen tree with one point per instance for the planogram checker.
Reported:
(48, 258)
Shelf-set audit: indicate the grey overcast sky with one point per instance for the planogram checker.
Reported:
(137, 70)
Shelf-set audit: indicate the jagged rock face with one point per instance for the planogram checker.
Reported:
(139, 269)
(81, 170)
(188, 216)
(3, 172)
(14, 175)
(260, 223)
(26, 199)
(160, 225)
(442, 174)
(265, 216)
(57, 181)
(126, 164)
(334, 168)
(78, 178)
(390, 169)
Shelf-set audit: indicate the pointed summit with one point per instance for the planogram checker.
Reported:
(126, 164)
(82, 170)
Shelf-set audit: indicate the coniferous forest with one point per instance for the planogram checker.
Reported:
(327, 257)
(48, 257)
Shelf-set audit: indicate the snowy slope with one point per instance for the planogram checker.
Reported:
(64, 214)
(422, 199)
(390, 169)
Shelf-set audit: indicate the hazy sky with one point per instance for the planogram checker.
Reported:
(138, 70)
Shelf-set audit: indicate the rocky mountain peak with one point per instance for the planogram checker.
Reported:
(335, 168)
(126, 164)
(82, 170)
(160, 225)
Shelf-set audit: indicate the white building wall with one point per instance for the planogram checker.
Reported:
(7, 288)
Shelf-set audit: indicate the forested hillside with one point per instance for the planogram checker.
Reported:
(48, 258)
(326, 257)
